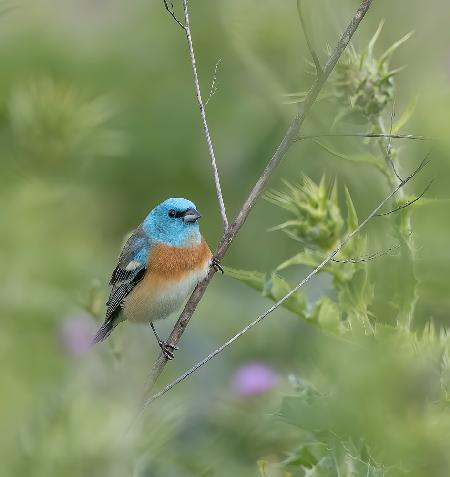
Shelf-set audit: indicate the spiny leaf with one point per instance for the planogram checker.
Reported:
(303, 456)
(284, 225)
(406, 116)
(386, 55)
(361, 158)
(352, 217)
(273, 287)
(307, 257)
(328, 316)
(374, 39)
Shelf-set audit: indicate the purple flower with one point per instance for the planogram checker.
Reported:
(76, 332)
(254, 378)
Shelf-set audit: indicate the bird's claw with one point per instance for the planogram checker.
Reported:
(167, 349)
(215, 263)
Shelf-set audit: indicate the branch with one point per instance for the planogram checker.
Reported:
(171, 11)
(260, 318)
(368, 258)
(233, 229)
(389, 145)
(366, 135)
(213, 89)
(198, 94)
(312, 52)
(404, 206)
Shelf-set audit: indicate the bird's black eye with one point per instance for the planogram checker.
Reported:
(172, 213)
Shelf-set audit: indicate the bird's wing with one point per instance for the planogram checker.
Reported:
(130, 269)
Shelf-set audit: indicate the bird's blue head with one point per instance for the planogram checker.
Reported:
(174, 222)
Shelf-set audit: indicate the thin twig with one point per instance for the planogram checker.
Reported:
(233, 229)
(171, 11)
(366, 135)
(404, 206)
(213, 89)
(368, 258)
(312, 52)
(198, 94)
(285, 297)
(389, 145)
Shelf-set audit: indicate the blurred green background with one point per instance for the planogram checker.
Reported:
(98, 123)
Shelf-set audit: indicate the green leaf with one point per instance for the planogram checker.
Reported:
(390, 51)
(405, 117)
(326, 467)
(253, 279)
(352, 217)
(303, 456)
(295, 98)
(354, 298)
(307, 257)
(310, 258)
(360, 158)
(374, 39)
(328, 316)
(287, 224)
(273, 287)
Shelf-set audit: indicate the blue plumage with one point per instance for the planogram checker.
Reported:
(161, 227)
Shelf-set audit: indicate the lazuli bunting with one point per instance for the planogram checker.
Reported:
(158, 267)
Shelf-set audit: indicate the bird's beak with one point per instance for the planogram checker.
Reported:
(191, 215)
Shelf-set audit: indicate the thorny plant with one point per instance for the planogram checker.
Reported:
(362, 87)
(230, 230)
(317, 223)
(330, 241)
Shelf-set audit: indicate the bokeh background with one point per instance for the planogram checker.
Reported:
(98, 123)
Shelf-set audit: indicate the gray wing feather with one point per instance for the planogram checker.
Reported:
(124, 278)
(130, 269)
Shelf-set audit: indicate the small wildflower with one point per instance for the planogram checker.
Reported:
(254, 378)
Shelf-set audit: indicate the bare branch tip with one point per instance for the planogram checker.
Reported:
(409, 203)
(213, 88)
(170, 9)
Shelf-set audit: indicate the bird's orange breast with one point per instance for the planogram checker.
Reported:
(172, 273)
(172, 263)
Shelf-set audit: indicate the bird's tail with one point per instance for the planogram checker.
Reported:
(105, 330)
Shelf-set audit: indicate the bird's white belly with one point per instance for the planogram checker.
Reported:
(153, 300)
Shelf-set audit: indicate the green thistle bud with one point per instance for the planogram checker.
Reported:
(365, 84)
(317, 221)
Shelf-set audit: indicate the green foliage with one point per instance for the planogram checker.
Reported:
(273, 287)
(371, 372)
(98, 122)
(317, 221)
(364, 84)
(338, 439)
(316, 226)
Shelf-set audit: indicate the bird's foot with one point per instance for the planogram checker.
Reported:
(215, 263)
(167, 349)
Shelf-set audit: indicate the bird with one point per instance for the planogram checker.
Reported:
(158, 267)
